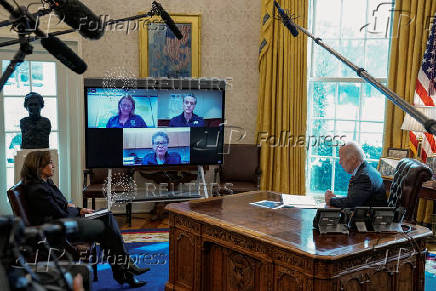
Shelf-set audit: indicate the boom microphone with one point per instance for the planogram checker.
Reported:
(64, 54)
(286, 20)
(78, 16)
(167, 19)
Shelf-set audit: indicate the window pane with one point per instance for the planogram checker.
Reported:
(342, 179)
(373, 104)
(347, 126)
(371, 127)
(54, 140)
(321, 174)
(44, 78)
(9, 177)
(352, 50)
(348, 101)
(15, 111)
(323, 96)
(328, 17)
(13, 144)
(379, 18)
(18, 84)
(376, 63)
(325, 64)
(353, 19)
(372, 144)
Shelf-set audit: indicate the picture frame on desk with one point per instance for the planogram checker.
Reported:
(387, 165)
(398, 153)
(161, 54)
(431, 162)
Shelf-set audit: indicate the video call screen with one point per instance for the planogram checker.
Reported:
(152, 127)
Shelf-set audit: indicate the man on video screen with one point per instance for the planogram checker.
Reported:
(188, 118)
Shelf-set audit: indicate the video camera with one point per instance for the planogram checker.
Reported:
(20, 244)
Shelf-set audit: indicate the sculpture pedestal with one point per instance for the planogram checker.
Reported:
(21, 155)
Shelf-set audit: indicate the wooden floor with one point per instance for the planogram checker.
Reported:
(142, 221)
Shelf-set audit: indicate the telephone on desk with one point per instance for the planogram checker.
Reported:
(361, 219)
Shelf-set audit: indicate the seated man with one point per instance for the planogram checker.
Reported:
(187, 118)
(366, 186)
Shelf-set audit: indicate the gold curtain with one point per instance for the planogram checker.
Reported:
(412, 20)
(282, 104)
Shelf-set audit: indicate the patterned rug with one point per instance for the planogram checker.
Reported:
(430, 272)
(149, 247)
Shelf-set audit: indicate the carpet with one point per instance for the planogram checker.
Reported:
(430, 272)
(150, 249)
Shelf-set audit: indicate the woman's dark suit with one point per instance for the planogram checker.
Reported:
(47, 203)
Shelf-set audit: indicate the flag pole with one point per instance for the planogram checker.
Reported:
(429, 124)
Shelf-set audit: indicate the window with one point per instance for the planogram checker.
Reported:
(30, 76)
(340, 104)
(63, 97)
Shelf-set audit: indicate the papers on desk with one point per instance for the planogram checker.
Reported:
(290, 201)
(97, 213)
(299, 201)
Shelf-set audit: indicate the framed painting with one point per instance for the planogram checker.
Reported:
(163, 55)
(386, 166)
(398, 153)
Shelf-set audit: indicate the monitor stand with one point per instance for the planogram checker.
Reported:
(200, 185)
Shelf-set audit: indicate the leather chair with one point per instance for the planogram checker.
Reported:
(20, 208)
(95, 188)
(408, 178)
(240, 171)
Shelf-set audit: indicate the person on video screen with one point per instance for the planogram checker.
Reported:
(161, 156)
(188, 118)
(126, 117)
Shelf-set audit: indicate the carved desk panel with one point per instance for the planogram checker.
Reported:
(227, 244)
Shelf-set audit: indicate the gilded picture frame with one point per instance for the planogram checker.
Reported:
(386, 166)
(163, 55)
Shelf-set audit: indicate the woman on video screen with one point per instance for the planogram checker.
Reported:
(160, 141)
(126, 117)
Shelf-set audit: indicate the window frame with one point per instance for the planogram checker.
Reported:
(336, 81)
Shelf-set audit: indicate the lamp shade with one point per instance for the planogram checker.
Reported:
(412, 124)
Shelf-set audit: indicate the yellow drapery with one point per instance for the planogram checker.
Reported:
(412, 20)
(282, 105)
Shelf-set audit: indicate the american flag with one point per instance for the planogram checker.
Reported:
(425, 93)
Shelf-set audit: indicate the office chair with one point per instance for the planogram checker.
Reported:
(20, 208)
(408, 178)
(240, 169)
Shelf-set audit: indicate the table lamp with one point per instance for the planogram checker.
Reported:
(411, 124)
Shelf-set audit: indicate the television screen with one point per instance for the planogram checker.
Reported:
(154, 124)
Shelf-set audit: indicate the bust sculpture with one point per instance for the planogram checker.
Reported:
(35, 129)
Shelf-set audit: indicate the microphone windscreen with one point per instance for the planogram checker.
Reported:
(286, 20)
(168, 20)
(80, 17)
(64, 54)
(89, 229)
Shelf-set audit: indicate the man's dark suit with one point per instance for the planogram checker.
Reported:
(366, 188)
(47, 203)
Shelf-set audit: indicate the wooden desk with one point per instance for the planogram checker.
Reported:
(227, 244)
(428, 191)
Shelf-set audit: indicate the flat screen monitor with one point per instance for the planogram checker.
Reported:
(157, 123)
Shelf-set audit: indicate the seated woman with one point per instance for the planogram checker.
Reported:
(126, 117)
(160, 141)
(48, 203)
